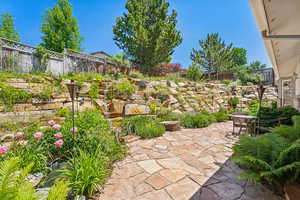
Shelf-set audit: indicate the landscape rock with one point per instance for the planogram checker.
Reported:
(136, 109)
(171, 125)
(35, 178)
(7, 138)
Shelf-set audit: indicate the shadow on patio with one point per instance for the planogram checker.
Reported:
(225, 185)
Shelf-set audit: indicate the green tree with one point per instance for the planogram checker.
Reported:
(239, 56)
(121, 59)
(194, 73)
(7, 28)
(257, 65)
(60, 28)
(147, 33)
(214, 55)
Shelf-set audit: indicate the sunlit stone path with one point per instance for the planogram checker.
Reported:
(173, 167)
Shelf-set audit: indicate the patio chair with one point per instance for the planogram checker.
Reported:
(238, 122)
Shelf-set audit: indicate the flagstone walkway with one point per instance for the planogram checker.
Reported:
(172, 167)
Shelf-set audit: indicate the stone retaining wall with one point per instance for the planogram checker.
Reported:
(179, 97)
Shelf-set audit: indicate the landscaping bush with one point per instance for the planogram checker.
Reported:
(272, 157)
(275, 113)
(150, 130)
(233, 101)
(194, 73)
(86, 172)
(221, 115)
(129, 124)
(9, 96)
(199, 120)
(124, 87)
(15, 186)
(143, 126)
(91, 139)
(226, 81)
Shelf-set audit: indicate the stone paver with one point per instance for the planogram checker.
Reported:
(225, 185)
(181, 165)
(150, 166)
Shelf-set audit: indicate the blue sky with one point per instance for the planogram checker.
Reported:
(232, 19)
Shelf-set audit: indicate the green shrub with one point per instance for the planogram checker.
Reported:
(59, 191)
(94, 90)
(150, 130)
(15, 186)
(86, 172)
(233, 101)
(63, 112)
(275, 113)
(136, 124)
(9, 96)
(124, 87)
(226, 81)
(198, 120)
(221, 115)
(272, 157)
(194, 73)
(129, 124)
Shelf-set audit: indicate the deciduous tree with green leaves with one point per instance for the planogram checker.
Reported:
(257, 65)
(147, 32)
(239, 56)
(7, 28)
(60, 29)
(214, 55)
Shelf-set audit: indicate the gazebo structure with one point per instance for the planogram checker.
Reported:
(279, 23)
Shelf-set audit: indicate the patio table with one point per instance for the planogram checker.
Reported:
(242, 121)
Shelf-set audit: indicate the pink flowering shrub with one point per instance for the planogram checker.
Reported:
(56, 127)
(19, 135)
(3, 150)
(51, 123)
(58, 135)
(74, 130)
(59, 143)
(38, 135)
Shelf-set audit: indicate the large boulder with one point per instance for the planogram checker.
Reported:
(136, 109)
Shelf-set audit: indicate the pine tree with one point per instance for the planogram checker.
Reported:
(60, 28)
(214, 55)
(7, 28)
(147, 33)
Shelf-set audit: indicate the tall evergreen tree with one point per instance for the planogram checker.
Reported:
(60, 28)
(214, 55)
(7, 28)
(147, 33)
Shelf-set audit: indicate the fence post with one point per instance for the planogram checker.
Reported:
(64, 61)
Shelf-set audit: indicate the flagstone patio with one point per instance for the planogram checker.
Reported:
(178, 166)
